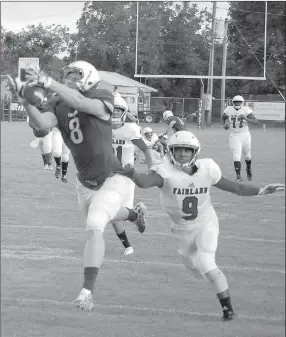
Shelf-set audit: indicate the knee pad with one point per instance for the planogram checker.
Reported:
(247, 156)
(92, 233)
(57, 154)
(97, 219)
(65, 157)
(204, 262)
(236, 156)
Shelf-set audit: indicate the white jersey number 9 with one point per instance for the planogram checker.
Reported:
(76, 134)
(190, 208)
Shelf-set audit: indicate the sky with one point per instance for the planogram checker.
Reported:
(59, 13)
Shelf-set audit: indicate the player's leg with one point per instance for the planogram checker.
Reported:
(57, 151)
(246, 148)
(206, 241)
(65, 161)
(118, 226)
(236, 149)
(198, 255)
(48, 150)
(100, 207)
(38, 142)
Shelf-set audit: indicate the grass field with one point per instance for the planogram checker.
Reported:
(147, 294)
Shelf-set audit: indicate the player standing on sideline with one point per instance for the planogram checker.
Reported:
(175, 124)
(61, 155)
(82, 114)
(125, 136)
(235, 120)
(43, 140)
(185, 183)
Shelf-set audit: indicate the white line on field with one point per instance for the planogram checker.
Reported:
(226, 237)
(42, 255)
(142, 309)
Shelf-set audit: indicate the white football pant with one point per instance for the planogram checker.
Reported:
(240, 143)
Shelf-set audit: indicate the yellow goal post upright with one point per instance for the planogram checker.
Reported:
(204, 100)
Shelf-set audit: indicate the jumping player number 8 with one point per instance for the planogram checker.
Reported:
(76, 134)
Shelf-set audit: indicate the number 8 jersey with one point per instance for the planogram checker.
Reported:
(122, 142)
(186, 198)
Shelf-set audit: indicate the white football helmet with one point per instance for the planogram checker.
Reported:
(183, 139)
(148, 133)
(237, 102)
(89, 75)
(167, 114)
(119, 113)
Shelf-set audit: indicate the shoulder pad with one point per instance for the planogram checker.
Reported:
(211, 167)
(163, 169)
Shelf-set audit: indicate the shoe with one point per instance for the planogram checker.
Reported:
(238, 179)
(249, 174)
(64, 179)
(227, 315)
(50, 167)
(58, 172)
(84, 300)
(128, 251)
(140, 210)
(45, 167)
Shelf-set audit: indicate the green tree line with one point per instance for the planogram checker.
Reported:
(173, 38)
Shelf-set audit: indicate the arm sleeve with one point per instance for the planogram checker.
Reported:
(214, 171)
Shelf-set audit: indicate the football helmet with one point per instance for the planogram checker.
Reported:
(148, 133)
(89, 76)
(183, 139)
(237, 102)
(119, 113)
(167, 114)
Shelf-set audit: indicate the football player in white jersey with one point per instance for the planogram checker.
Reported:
(235, 119)
(185, 183)
(152, 140)
(125, 136)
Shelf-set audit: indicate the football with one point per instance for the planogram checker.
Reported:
(34, 95)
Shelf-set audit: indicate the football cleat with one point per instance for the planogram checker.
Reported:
(227, 315)
(128, 251)
(50, 167)
(140, 210)
(46, 167)
(64, 179)
(84, 300)
(249, 174)
(238, 179)
(58, 172)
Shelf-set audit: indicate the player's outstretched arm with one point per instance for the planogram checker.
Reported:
(247, 189)
(41, 121)
(143, 180)
(71, 97)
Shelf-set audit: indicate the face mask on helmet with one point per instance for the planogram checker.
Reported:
(183, 150)
(167, 114)
(237, 102)
(80, 75)
(118, 117)
(43, 103)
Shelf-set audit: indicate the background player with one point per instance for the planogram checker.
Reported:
(152, 140)
(43, 140)
(125, 136)
(175, 124)
(61, 155)
(82, 114)
(235, 120)
(185, 183)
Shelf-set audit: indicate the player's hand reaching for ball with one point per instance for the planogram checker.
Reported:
(36, 76)
(271, 188)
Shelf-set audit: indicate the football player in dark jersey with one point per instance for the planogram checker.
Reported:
(82, 112)
(174, 123)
